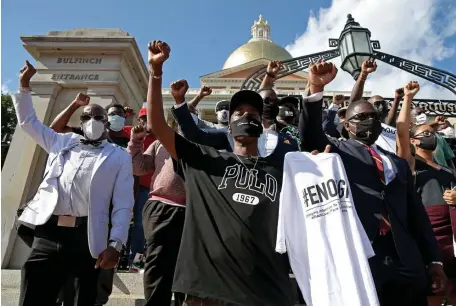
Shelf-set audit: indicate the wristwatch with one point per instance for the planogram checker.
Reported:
(116, 245)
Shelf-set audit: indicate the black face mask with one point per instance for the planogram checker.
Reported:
(427, 143)
(286, 112)
(270, 111)
(246, 126)
(367, 131)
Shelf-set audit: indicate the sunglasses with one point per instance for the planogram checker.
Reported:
(365, 116)
(86, 117)
(423, 134)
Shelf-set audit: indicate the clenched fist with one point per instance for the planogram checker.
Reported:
(322, 73)
(81, 99)
(399, 93)
(158, 53)
(411, 89)
(368, 67)
(129, 111)
(273, 68)
(138, 132)
(178, 90)
(205, 91)
(338, 99)
(26, 73)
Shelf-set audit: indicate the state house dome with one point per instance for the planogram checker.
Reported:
(260, 46)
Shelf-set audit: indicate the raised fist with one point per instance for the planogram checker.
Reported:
(205, 91)
(411, 89)
(178, 90)
(82, 99)
(368, 67)
(129, 111)
(338, 99)
(399, 93)
(26, 73)
(158, 53)
(138, 132)
(274, 68)
(322, 73)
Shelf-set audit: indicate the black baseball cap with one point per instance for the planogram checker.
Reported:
(248, 97)
(224, 104)
(288, 99)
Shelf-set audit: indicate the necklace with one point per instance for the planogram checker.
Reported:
(249, 171)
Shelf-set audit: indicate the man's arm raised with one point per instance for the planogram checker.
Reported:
(158, 53)
(60, 123)
(366, 68)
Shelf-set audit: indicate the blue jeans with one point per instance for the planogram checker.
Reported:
(137, 231)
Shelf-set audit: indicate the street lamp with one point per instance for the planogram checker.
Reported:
(355, 46)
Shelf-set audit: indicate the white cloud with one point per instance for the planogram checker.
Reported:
(413, 29)
(5, 87)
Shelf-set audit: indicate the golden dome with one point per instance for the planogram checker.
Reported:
(260, 46)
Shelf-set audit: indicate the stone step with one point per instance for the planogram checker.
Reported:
(128, 289)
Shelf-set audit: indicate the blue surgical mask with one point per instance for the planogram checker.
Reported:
(116, 123)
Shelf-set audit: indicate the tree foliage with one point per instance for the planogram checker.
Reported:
(9, 122)
(9, 119)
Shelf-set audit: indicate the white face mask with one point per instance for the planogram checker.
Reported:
(448, 132)
(195, 118)
(222, 116)
(93, 129)
(116, 122)
(421, 119)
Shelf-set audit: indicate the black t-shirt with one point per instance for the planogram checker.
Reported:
(431, 183)
(227, 251)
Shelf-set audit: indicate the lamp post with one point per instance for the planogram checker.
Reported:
(354, 46)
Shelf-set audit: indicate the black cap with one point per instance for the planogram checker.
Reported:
(246, 97)
(222, 105)
(288, 99)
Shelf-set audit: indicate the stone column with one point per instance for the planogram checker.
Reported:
(104, 63)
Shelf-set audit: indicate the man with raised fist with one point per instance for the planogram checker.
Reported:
(162, 216)
(384, 196)
(227, 252)
(71, 209)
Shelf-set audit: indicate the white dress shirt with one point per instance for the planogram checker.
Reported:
(74, 182)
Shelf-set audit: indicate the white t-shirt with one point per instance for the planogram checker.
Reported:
(387, 140)
(320, 230)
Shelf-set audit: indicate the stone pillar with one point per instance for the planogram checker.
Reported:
(104, 63)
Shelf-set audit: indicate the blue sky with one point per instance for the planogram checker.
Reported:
(202, 33)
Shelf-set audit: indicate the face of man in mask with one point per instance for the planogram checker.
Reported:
(94, 122)
(288, 113)
(423, 138)
(363, 122)
(245, 124)
(116, 118)
(222, 110)
(381, 105)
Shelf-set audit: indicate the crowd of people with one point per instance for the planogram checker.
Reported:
(358, 203)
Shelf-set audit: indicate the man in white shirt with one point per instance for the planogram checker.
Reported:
(71, 210)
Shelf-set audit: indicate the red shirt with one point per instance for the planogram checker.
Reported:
(144, 180)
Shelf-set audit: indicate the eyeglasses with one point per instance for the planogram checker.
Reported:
(365, 116)
(423, 134)
(87, 117)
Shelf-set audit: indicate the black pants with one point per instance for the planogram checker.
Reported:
(163, 225)
(104, 286)
(396, 286)
(58, 254)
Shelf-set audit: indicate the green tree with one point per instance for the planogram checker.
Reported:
(9, 122)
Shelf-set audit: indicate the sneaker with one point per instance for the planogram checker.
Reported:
(137, 265)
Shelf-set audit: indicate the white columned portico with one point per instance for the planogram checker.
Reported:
(104, 63)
